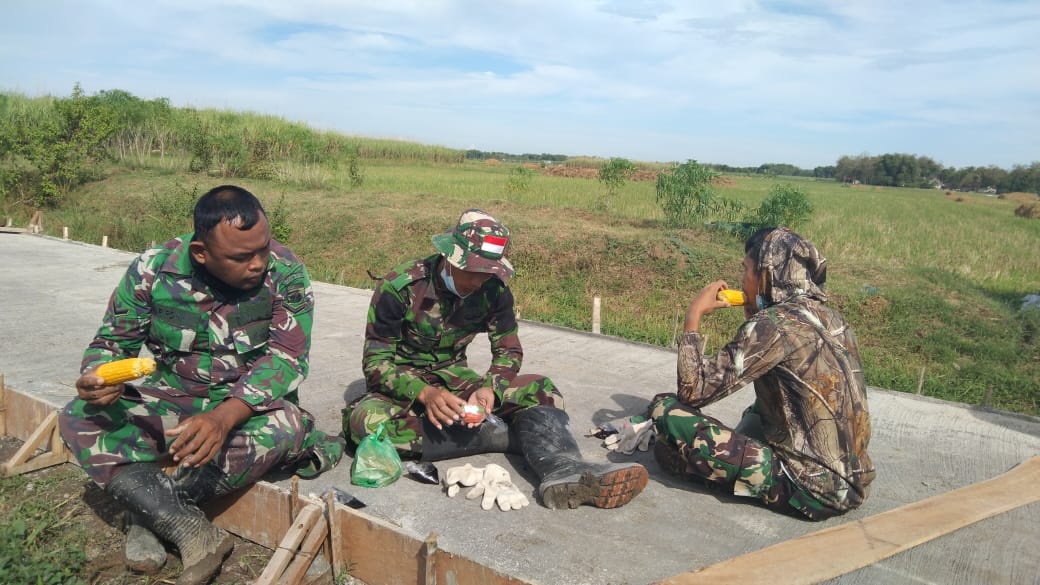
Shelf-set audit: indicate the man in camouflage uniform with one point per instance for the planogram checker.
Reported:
(422, 317)
(227, 313)
(802, 446)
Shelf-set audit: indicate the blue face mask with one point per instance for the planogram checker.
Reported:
(449, 281)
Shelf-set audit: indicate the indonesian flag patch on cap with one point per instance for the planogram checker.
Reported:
(494, 245)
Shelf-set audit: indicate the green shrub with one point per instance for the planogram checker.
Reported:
(519, 179)
(786, 205)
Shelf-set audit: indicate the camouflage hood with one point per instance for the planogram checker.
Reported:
(790, 266)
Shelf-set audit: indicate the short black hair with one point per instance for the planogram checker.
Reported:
(226, 203)
(753, 245)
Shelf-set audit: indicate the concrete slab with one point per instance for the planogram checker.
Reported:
(53, 293)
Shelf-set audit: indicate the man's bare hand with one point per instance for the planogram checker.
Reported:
(703, 304)
(442, 407)
(484, 398)
(200, 437)
(91, 389)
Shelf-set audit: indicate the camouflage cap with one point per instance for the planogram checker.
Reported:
(476, 244)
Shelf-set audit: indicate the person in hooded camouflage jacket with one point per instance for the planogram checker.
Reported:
(227, 313)
(802, 445)
(423, 316)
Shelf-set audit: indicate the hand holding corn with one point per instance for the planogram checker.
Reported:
(104, 385)
(735, 298)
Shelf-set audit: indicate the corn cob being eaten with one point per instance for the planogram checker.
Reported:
(734, 297)
(125, 370)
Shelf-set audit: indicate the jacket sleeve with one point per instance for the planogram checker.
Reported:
(383, 333)
(507, 355)
(703, 379)
(279, 372)
(124, 327)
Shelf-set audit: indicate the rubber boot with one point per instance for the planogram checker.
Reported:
(198, 485)
(149, 493)
(453, 441)
(566, 479)
(143, 551)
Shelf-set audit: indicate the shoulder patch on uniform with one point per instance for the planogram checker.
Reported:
(296, 296)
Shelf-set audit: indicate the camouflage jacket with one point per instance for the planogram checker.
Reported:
(415, 326)
(808, 376)
(253, 347)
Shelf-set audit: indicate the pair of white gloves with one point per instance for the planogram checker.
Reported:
(632, 436)
(491, 483)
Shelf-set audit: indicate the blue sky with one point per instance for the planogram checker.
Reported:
(737, 82)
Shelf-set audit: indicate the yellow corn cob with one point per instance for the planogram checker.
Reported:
(125, 370)
(733, 297)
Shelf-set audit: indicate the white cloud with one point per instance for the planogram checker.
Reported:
(738, 82)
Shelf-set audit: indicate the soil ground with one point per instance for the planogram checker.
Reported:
(88, 510)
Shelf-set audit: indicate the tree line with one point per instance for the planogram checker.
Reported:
(50, 145)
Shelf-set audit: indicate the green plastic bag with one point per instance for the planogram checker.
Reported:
(376, 462)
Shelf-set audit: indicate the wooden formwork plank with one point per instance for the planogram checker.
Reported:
(262, 514)
(25, 459)
(809, 559)
(23, 413)
(301, 530)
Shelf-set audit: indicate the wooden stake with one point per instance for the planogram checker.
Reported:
(595, 315)
(429, 565)
(104, 241)
(65, 232)
(332, 542)
(3, 407)
(298, 533)
(920, 381)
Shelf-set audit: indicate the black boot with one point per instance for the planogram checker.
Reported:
(453, 441)
(198, 485)
(567, 480)
(150, 494)
(143, 552)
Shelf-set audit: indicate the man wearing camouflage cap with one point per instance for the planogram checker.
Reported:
(422, 317)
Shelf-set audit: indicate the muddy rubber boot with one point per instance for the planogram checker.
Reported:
(198, 485)
(453, 441)
(143, 552)
(149, 493)
(567, 480)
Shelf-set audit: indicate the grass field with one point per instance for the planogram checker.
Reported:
(930, 283)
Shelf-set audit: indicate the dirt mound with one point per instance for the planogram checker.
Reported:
(1029, 210)
(1019, 197)
(593, 173)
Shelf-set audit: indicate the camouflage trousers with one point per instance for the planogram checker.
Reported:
(130, 430)
(707, 451)
(402, 417)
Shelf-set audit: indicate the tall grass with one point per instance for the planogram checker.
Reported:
(928, 281)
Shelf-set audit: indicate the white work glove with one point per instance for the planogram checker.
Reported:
(463, 476)
(497, 487)
(632, 436)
